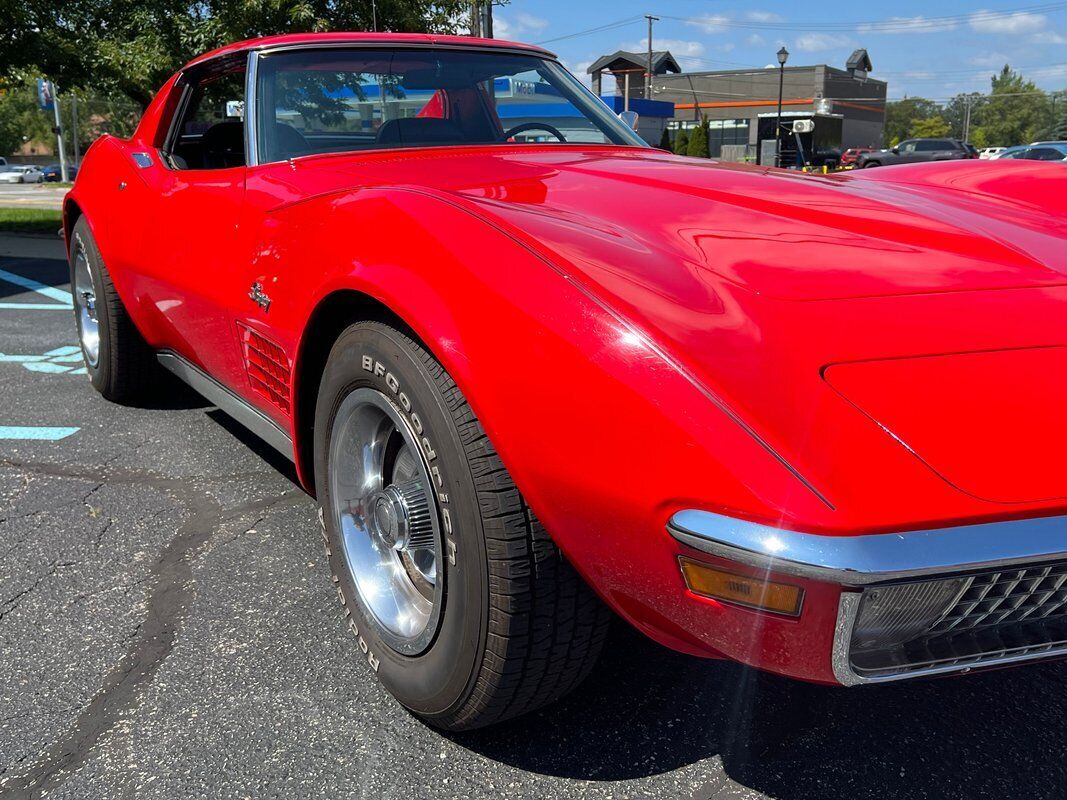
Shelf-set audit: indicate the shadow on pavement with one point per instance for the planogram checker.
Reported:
(646, 711)
(48, 271)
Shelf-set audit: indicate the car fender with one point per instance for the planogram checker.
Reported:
(605, 436)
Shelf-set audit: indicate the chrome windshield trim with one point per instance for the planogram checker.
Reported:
(873, 558)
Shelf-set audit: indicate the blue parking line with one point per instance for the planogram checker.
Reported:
(35, 433)
(36, 286)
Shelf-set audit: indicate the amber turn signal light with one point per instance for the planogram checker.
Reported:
(781, 598)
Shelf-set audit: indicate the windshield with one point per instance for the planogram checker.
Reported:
(338, 100)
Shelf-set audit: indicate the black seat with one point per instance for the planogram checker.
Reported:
(420, 130)
(223, 145)
(287, 142)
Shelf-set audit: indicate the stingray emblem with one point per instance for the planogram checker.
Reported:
(259, 297)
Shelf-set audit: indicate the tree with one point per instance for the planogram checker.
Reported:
(955, 114)
(131, 47)
(21, 120)
(681, 142)
(1016, 111)
(698, 142)
(929, 128)
(1059, 132)
(665, 140)
(901, 114)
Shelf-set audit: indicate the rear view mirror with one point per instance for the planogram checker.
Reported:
(630, 119)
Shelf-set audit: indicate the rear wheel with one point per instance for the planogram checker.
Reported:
(120, 364)
(454, 592)
(869, 164)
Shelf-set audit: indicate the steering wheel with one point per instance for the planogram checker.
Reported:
(534, 126)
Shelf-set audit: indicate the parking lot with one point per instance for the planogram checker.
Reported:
(31, 195)
(168, 629)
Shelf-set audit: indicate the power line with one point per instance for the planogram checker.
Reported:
(610, 26)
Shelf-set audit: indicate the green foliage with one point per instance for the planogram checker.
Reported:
(665, 140)
(1059, 131)
(20, 118)
(681, 142)
(1016, 113)
(929, 128)
(130, 47)
(698, 141)
(901, 114)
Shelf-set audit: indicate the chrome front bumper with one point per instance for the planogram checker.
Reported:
(1021, 617)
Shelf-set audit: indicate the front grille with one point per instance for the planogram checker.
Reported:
(1009, 615)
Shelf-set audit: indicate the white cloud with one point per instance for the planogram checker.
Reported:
(992, 60)
(763, 16)
(710, 23)
(1049, 37)
(725, 47)
(919, 24)
(506, 28)
(1014, 22)
(755, 40)
(813, 42)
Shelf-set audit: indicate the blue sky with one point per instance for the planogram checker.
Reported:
(934, 50)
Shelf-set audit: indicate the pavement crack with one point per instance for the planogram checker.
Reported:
(153, 639)
(13, 602)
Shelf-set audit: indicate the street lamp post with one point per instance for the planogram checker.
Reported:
(783, 56)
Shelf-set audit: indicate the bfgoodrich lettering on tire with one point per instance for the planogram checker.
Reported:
(450, 587)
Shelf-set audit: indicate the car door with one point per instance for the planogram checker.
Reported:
(194, 247)
(906, 152)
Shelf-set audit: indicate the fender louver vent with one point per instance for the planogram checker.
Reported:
(268, 368)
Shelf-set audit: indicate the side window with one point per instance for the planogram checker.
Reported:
(907, 147)
(210, 133)
(929, 146)
(1043, 154)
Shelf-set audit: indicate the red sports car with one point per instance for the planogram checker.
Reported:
(536, 372)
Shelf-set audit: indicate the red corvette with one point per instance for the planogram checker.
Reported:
(534, 370)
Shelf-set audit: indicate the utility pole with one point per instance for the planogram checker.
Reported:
(967, 117)
(74, 128)
(59, 135)
(648, 76)
(374, 15)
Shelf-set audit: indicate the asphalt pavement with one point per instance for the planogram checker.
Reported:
(31, 195)
(168, 629)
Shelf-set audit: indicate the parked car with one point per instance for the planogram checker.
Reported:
(848, 158)
(990, 152)
(3, 163)
(54, 172)
(914, 151)
(1011, 152)
(531, 382)
(1050, 151)
(20, 173)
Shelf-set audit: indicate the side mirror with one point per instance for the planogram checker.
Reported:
(895, 151)
(630, 119)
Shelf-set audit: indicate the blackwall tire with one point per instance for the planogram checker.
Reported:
(505, 625)
(120, 364)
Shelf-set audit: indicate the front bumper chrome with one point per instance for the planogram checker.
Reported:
(1011, 604)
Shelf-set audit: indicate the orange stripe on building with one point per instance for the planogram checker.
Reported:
(746, 103)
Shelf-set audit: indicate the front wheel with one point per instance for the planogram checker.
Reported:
(453, 591)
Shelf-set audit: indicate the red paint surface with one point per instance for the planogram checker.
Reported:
(641, 333)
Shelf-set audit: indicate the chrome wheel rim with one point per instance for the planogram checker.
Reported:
(85, 307)
(384, 507)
